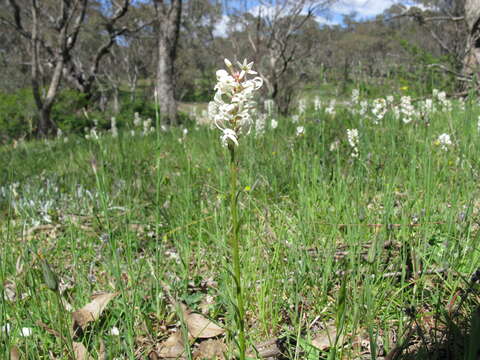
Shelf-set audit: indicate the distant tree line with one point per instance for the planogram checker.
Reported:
(99, 56)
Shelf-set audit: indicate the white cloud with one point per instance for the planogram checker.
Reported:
(321, 20)
(364, 8)
(221, 27)
(369, 8)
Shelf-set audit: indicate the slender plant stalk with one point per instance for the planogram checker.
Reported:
(235, 248)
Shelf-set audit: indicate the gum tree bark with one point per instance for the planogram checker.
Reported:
(472, 59)
(168, 26)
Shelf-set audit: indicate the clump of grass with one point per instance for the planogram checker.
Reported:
(395, 228)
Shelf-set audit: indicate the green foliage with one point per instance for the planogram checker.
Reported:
(67, 112)
(17, 111)
(152, 222)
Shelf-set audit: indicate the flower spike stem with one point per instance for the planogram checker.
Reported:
(235, 249)
(230, 111)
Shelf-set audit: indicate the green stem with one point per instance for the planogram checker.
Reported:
(235, 248)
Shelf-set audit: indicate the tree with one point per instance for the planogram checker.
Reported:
(50, 42)
(276, 35)
(168, 17)
(83, 65)
(472, 58)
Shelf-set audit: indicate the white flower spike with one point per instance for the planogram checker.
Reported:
(232, 105)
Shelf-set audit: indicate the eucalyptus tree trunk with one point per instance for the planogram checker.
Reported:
(472, 18)
(168, 26)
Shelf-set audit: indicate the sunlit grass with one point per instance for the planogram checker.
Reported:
(397, 227)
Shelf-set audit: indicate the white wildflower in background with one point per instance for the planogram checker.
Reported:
(444, 141)
(353, 140)
(428, 106)
(442, 98)
(6, 328)
(407, 111)
(331, 108)
(478, 124)
(185, 132)
(274, 124)
(260, 125)
(137, 120)
(363, 107)
(269, 106)
(355, 96)
(233, 102)
(302, 106)
(113, 126)
(300, 131)
(25, 332)
(147, 126)
(114, 331)
(295, 118)
(390, 99)
(92, 134)
(334, 145)
(461, 104)
(379, 110)
(317, 104)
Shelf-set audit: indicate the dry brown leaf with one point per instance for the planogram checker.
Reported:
(172, 348)
(15, 353)
(81, 352)
(10, 291)
(210, 349)
(266, 350)
(326, 338)
(91, 311)
(102, 354)
(199, 326)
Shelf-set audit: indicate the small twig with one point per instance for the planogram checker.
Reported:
(386, 225)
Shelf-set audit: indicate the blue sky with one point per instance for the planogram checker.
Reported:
(364, 9)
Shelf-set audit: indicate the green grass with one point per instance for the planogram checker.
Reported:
(153, 221)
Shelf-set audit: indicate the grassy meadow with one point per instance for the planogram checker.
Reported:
(343, 257)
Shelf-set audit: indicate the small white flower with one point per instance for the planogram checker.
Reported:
(406, 109)
(185, 132)
(25, 332)
(295, 118)
(6, 328)
(317, 104)
(331, 108)
(300, 130)
(274, 124)
(353, 140)
(355, 96)
(334, 145)
(302, 106)
(114, 331)
(269, 106)
(228, 134)
(444, 141)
